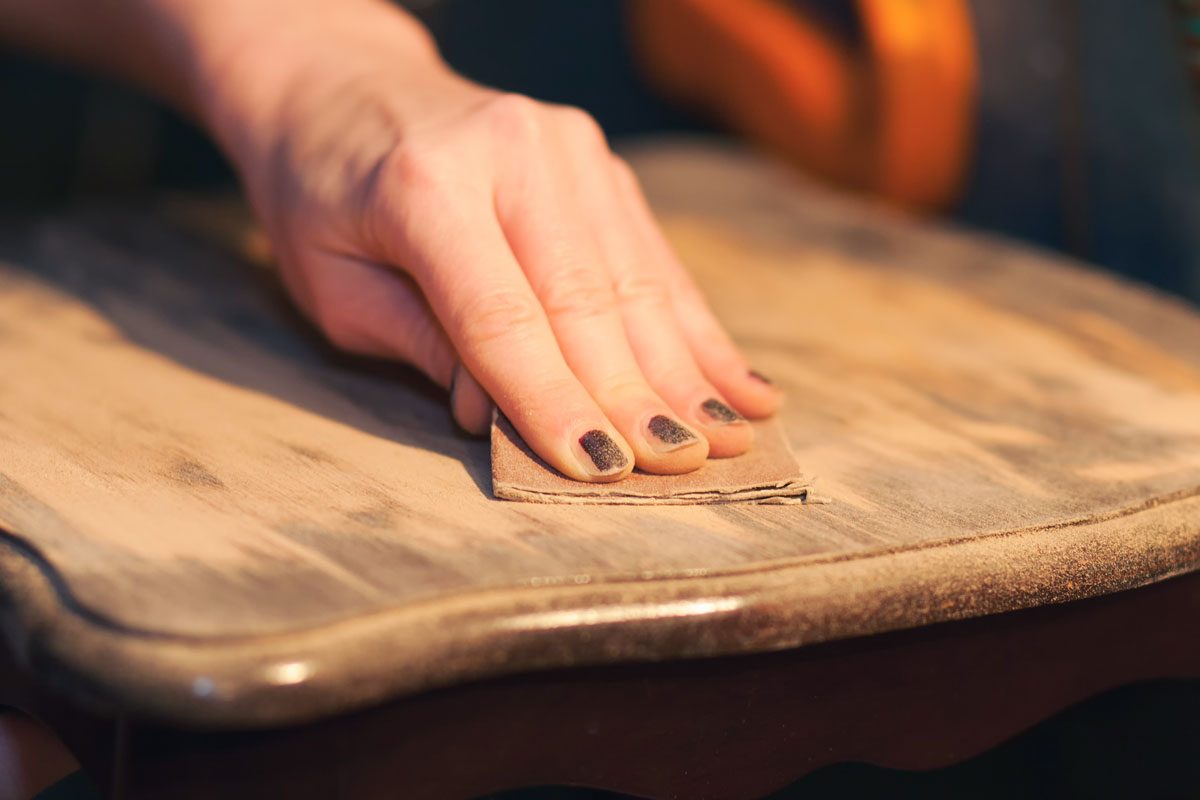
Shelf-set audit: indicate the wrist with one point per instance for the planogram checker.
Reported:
(245, 61)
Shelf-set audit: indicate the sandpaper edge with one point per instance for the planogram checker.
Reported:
(774, 495)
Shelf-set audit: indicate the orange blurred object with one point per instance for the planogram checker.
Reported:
(892, 116)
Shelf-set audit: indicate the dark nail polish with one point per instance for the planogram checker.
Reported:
(721, 412)
(603, 451)
(670, 432)
(758, 376)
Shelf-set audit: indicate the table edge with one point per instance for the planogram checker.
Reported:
(304, 675)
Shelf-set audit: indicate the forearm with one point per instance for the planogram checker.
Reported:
(218, 61)
(136, 40)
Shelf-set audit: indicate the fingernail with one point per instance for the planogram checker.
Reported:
(719, 412)
(605, 454)
(668, 435)
(758, 376)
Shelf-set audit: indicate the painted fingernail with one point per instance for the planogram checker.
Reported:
(603, 451)
(758, 376)
(668, 435)
(719, 412)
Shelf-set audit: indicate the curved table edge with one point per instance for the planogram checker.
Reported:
(301, 676)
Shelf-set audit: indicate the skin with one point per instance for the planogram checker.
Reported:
(493, 242)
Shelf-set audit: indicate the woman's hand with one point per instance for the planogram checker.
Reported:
(492, 241)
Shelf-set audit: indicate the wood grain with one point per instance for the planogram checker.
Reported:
(214, 518)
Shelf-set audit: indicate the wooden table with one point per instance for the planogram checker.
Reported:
(270, 568)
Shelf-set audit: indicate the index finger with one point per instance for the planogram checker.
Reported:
(477, 289)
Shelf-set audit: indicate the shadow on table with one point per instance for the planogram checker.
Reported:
(197, 303)
(1137, 741)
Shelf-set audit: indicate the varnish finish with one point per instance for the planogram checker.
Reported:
(215, 519)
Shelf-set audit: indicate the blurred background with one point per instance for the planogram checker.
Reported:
(1069, 124)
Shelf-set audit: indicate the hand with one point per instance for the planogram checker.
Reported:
(492, 241)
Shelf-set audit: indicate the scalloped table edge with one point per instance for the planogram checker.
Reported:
(301, 676)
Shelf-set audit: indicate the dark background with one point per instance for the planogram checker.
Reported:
(1088, 128)
(1141, 741)
(1088, 143)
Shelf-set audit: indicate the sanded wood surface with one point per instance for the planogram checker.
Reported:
(212, 517)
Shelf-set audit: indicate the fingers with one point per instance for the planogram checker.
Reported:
(369, 310)
(470, 404)
(477, 289)
(751, 392)
(650, 319)
(722, 363)
(566, 270)
(547, 290)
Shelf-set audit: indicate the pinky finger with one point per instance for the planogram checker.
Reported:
(720, 359)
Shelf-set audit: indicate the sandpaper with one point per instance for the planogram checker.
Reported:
(768, 473)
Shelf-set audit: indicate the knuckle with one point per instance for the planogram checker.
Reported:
(410, 190)
(515, 116)
(402, 176)
(562, 400)
(496, 316)
(580, 123)
(626, 177)
(626, 385)
(408, 168)
(640, 288)
(578, 292)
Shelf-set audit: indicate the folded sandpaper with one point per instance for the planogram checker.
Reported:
(768, 473)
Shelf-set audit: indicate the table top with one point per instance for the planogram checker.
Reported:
(212, 518)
